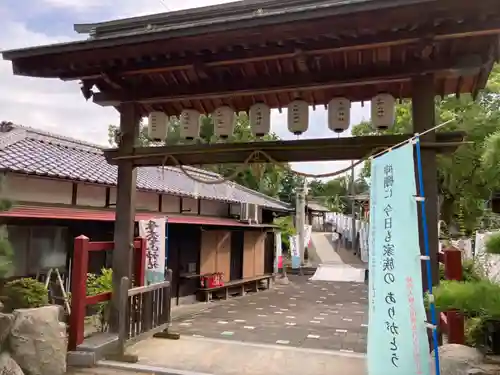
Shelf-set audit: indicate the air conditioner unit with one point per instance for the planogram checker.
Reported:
(249, 213)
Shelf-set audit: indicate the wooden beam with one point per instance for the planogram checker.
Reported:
(303, 62)
(74, 194)
(271, 51)
(275, 84)
(349, 148)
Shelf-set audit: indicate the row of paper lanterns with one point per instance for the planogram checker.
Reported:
(224, 118)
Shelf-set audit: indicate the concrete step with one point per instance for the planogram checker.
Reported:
(229, 357)
(138, 368)
(309, 271)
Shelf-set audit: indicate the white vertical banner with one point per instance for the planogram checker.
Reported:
(307, 234)
(153, 230)
(277, 250)
(363, 238)
(294, 251)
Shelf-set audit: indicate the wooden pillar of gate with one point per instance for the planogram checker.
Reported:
(423, 112)
(125, 207)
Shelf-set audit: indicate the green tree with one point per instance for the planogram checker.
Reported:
(466, 177)
(289, 183)
(335, 193)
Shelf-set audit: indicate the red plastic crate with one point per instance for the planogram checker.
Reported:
(212, 280)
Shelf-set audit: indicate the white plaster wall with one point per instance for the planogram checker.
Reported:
(235, 209)
(170, 204)
(213, 208)
(189, 206)
(20, 188)
(144, 200)
(147, 201)
(91, 195)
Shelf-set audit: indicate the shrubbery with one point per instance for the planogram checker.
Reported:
(24, 293)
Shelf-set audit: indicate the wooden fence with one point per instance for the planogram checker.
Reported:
(452, 322)
(79, 299)
(144, 310)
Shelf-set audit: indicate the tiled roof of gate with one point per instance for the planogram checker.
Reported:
(32, 151)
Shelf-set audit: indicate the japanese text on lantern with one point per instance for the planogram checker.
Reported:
(152, 238)
(388, 265)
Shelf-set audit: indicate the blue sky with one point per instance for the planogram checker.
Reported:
(59, 107)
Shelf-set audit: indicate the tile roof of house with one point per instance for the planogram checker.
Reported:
(32, 151)
(315, 206)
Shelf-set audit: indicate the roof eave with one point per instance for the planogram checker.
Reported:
(184, 14)
(237, 22)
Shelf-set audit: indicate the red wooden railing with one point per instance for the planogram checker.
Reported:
(452, 322)
(79, 298)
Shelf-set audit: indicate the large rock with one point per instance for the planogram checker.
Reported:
(6, 323)
(457, 359)
(8, 366)
(38, 341)
(486, 369)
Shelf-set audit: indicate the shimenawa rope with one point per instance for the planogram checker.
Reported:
(258, 154)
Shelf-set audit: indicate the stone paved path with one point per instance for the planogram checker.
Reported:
(316, 315)
(229, 357)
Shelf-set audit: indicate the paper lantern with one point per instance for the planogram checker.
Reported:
(298, 116)
(260, 119)
(339, 114)
(157, 126)
(383, 111)
(224, 119)
(190, 124)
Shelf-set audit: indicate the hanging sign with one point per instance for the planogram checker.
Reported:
(397, 336)
(153, 230)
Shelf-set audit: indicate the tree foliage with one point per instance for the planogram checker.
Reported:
(467, 177)
(24, 293)
(335, 194)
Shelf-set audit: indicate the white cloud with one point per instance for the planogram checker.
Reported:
(59, 107)
(73, 4)
(51, 105)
